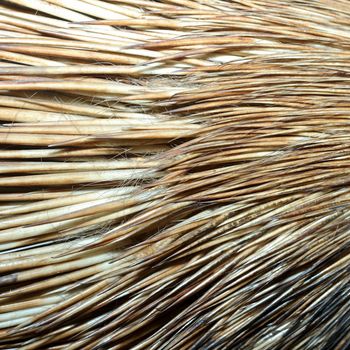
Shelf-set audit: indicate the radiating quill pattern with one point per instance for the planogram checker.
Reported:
(175, 174)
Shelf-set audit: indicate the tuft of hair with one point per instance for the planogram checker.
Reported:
(175, 174)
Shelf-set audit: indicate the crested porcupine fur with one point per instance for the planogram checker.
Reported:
(175, 174)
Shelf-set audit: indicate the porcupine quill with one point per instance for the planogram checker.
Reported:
(174, 174)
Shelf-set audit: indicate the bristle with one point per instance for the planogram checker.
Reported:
(174, 174)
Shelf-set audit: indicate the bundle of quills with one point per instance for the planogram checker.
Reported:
(174, 174)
